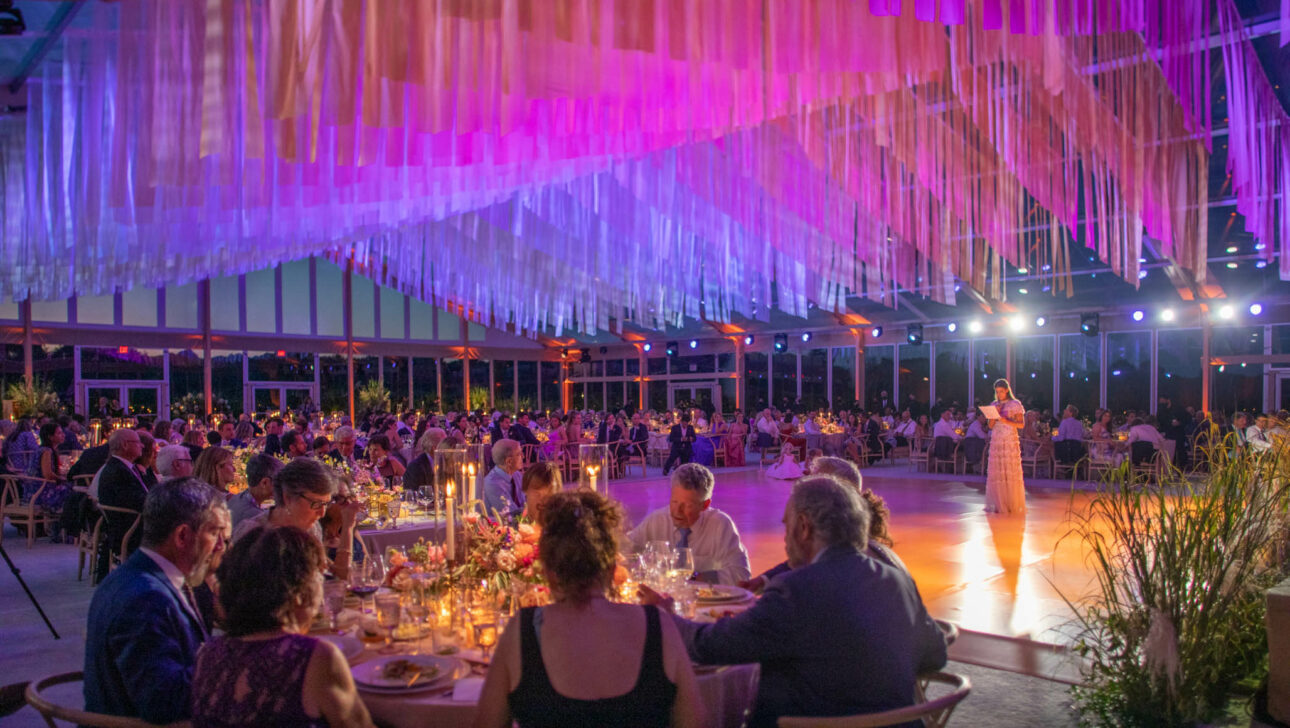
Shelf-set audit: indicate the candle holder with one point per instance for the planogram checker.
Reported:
(593, 467)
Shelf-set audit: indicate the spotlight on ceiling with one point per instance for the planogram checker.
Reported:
(1256, 309)
(673, 348)
(748, 340)
(585, 356)
(1226, 311)
(974, 327)
(952, 326)
(694, 343)
(1139, 315)
(806, 336)
(1089, 324)
(876, 332)
(564, 353)
(914, 333)
(1167, 315)
(1016, 323)
(781, 343)
(1040, 321)
(648, 346)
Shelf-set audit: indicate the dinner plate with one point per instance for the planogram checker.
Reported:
(349, 645)
(391, 673)
(721, 594)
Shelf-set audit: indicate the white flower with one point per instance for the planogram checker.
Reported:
(506, 560)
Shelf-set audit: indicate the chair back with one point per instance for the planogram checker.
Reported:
(10, 493)
(1141, 452)
(973, 449)
(108, 512)
(38, 698)
(1069, 452)
(943, 447)
(933, 713)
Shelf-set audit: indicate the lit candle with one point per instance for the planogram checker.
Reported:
(474, 493)
(592, 472)
(450, 535)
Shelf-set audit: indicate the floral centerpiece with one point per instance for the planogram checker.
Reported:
(504, 556)
(422, 561)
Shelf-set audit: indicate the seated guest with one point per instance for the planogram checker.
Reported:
(501, 494)
(382, 459)
(302, 492)
(838, 634)
(260, 472)
(144, 629)
(265, 670)
(681, 440)
(91, 459)
(215, 466)
(945, 427)
(146, 463)
(120, 484)
(501, 430)
(1070, 436)
(342, 451)
(244, 432)
(691, 521)
(1256, 435)
(273, 436)
(174, 461)
(420, 472)
(213, 439)
(1141, 431)
(540, 481)
(295, 445)
(976, 429)
(228, 437)
(639, 436)
(195, 443)
(564, 664)
(321, 446)
(522, 433)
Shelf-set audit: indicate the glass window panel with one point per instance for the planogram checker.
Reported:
(578, 395)
(878, 380)
(728, 395)
(476, 332)
(391, 313)
(366, 369)
(55, 311)
(116, 364)
(633, 367)
(952, 374)
(139, 307)
(93, 310)
(9, 311)
(1281, 343)
(597, 369)
(262, 301)
(449, 327)
(330, 304)
(295, 297)
(614, 399)
(726, 362)
(696, 364)
(226, 303)
(187, 387)
(394, 370)
(989, 362)
(1238, 387)
(1128, 383)
(549, 379)
(292, 366)
(142, 401)
(1081, 373)
(915, 374)
(452, 385)
(844, 373)
(425, 384)
(56, 366)
(504, 384)
(657, 396)
(226, 382)
(479, 384)
(657, 365)
(614, 367)
(363, 291)
(1178, 367)
(181, 307)
(333, 382)
(1033, 365)
(815, 379)
(596, 396)
(784, 385)
(421, 321)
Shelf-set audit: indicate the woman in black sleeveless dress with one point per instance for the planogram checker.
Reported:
(584, 661)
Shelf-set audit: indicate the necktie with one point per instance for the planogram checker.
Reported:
(192, 607)
(685, 538)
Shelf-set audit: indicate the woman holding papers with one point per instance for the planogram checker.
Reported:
(1005, 491)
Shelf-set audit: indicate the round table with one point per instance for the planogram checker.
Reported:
(726, 694)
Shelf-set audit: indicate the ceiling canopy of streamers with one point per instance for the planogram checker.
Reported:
(568, 164)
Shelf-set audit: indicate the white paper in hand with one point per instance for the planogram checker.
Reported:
(990, 411)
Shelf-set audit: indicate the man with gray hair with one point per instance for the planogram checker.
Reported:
(174, 461)
(144, 626)
(691, 522)
(500, 492)
(839, 634)
(343, 452)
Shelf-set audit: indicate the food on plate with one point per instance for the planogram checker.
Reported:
(405, 669)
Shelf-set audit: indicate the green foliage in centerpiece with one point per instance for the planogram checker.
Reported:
(1177, 619)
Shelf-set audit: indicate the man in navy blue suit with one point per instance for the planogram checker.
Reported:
(841, 633)
(144, 625)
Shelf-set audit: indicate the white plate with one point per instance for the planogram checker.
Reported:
(348, 645)
(436, 671)
(721, 593)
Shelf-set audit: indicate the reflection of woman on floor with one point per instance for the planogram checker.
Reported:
(1005, 490)
(787, 467)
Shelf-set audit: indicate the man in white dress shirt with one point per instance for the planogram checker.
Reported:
(691, 521)
(1256, 435)
(945, 427)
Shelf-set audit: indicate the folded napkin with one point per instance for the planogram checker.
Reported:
(467, 689)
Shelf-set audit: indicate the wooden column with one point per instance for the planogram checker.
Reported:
(739, 372)
(204, 314)
(642, 386)
(1206, 380)
(859, 368)
(347, 295)
(28, 363)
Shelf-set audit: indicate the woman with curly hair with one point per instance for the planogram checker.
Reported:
(583, 660)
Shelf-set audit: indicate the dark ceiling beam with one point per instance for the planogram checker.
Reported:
(61, 18)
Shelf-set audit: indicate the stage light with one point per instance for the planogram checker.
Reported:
(806, 337)
(1226, 311)
(1015, 323)
(1167, 315)
(1142, 274)
(647, 347)
(1089, 324)
(1261, 264)
(1231, 248)
(1040, 321)
(1139, 315)
(1260, 246)
(914, 333)
(748, 340)
(564, 353)
(694, 343)
(1256, 309)
(952, 327)
(1023, 271)
(586, 356)
(876, 332)
(673, 348)
(781, 343)
(1231, 266)
(974, 327)
(1023, 291)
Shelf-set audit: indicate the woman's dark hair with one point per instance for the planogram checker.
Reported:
(213, 438)
(161, 430)
(265, 575)
(542, 476)
(578, 547)
(1004, 383)
(380, 441)
(47, 431)
(879, 515)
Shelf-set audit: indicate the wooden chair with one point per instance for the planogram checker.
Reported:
(718, 451)
(1070, 461)
(918, 454)
(933, 713)
(82, 482)
(118, 557)
(773, 450)
(22, 512)
(945, 450)
(1146, 461)
(49, 709)
(87, 548)
(636, 457)
(1041, 456)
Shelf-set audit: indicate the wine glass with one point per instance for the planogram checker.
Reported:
(389, 610)
(334, 601)
(682, 567)
(366, 578)
(485, 627)
(396, 509)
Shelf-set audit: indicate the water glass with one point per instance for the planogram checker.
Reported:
(486, 630)
(389, 612)
(334, 593)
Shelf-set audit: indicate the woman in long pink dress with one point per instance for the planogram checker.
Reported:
(736, 440)
(1005, 490)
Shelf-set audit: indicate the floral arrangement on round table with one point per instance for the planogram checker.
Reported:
(502, 555)
(423, 561)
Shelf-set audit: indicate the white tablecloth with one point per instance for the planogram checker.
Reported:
(409, 530)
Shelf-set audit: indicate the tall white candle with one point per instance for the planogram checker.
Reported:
(474, 486)
(451, 534)
(592, 472)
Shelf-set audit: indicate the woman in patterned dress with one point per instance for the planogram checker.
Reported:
(1005, 490)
